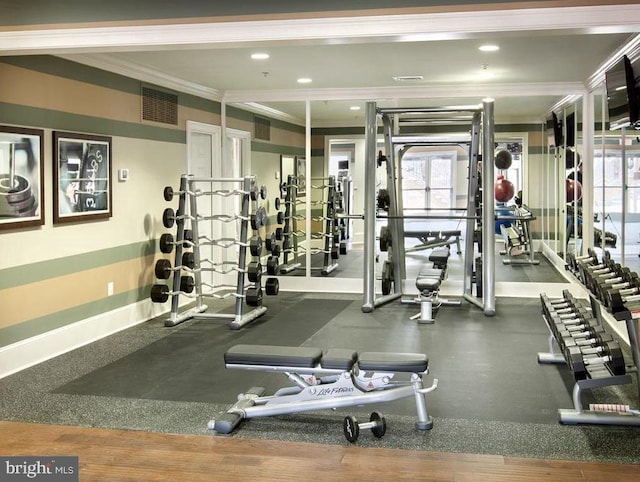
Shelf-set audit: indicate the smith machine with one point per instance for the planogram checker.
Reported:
(479, 211)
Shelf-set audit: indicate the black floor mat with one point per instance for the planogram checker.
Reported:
(187, 365)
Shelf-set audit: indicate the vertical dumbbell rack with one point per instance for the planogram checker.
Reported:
(290, 231)
(248, 217)
(330, 246)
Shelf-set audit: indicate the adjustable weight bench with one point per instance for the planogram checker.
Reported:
(320, 380)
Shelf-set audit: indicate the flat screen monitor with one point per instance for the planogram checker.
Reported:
(557, 130)
(622, 100)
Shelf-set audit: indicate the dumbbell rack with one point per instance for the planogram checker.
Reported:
(253, 294)
(290, 232)
(331, 235)
(608, 374)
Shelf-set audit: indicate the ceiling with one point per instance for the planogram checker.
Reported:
(544, 55)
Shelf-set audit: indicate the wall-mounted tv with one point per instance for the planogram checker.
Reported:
(557, 130)
(570, 140)
(622, 96)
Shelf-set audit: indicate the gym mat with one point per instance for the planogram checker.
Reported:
(187, 365)
(493, 398)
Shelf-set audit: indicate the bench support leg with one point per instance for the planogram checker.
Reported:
(425, 422)
(426, 310)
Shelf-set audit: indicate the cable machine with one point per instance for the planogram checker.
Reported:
(481, 123)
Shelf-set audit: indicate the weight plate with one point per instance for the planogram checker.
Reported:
(273, 265)
(272, 286)
(25, 208)
(168, 193)
(188, 260)
(254, 272)
(166, 243)
(187, 283)
(254, 296)
(380, 426)
(168, 217)
(351, 429)
(159, 293)
(17, 192)
(163, 269)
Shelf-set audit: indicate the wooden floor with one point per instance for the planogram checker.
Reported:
(120, 455)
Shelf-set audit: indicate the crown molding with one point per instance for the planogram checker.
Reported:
(399, 28)
(260, 109)
(146, 74)
(442, 91)
(631, 49)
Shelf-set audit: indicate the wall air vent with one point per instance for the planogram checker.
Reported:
(158, 106)
(262, 128)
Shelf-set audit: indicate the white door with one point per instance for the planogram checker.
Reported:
(203, 161)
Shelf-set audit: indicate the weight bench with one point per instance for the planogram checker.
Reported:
(440, 257)
(332, 379)
(428, 283)
(434, 239)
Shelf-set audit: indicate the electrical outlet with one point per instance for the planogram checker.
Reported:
(110, 288)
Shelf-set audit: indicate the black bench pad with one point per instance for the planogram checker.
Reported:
(393, 362)
(269, 355)
(334, 358)
(439, 254)
(428, 284)
(339, 359)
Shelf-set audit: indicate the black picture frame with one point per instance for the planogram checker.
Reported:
(21, 177)
(81, 177)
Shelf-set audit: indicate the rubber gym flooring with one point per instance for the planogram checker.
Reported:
(492, 398)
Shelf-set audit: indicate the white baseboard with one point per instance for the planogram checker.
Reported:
(34, 350)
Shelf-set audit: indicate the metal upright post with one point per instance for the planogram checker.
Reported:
(469, 253)
(488, 216)
(242, 251)
(395, 206)
(369, 207)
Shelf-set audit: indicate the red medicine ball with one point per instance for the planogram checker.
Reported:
(574, 190)
(503, 190)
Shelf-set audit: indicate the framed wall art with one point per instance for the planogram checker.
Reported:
(81, 177)
(21, 177)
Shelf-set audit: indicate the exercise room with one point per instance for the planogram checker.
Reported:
(393, 241)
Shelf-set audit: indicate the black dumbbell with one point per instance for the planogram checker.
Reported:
(161, 293)
(273, 265)
(167, 243)
(594, 340)
(253, 296)
(602, 285)
(169, 217)
(626, 288)
(168, 193)
(259, 218)
(590, 258)
(610, 356)
(617, 302)
(584, 334)
(254, 272)
(594, 276)
(376, 423)
(255, 245)
(272, 286)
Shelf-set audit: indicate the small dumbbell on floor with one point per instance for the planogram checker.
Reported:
(376, 423)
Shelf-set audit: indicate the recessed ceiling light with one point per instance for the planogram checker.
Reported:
(304, 80)
(354, 107)
(407, 78)
(260, 56)
(488, 48)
